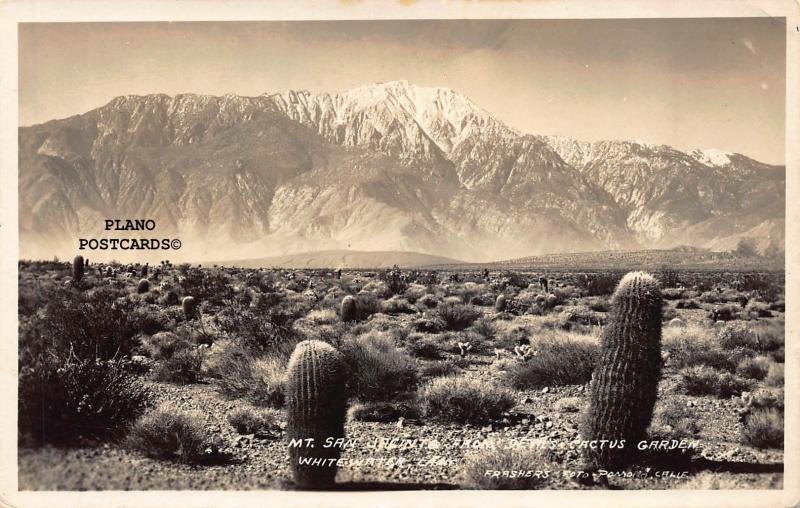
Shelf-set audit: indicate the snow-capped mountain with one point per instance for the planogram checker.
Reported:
(391, 166)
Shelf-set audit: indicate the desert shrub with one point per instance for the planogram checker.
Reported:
(460, 399)
(383, 412)
(727, 312)
(485, 328)
(439, 369)
(85, 326)
(396, 305)
(183, 366)
(753, 368)
(484, 300)
(242, 375)
(672, 293)
(766, 287)
(758, 309)
(456, 316)
(379, 370)
(668, 277)
(763, 428)
(262, 329)
(501, 466)
(424, 346)
(61, 401)
(695, 345)
(698, 380)
(427, 302)
(367, 304)
(322, 317)
(212, 286)
(169, 432)
(674, 420)
(771, 335)
(775, 375)
(599, 284)
(414, 293)
(687, 304)
(559, 360)
(711, 297)
(704, 380)
(598, 304)
(249, 421)
(737, 335)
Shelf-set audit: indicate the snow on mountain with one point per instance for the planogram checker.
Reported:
(711, 157)
(385, 167)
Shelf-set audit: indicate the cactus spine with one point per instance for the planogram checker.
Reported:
(348, 308)
(316, 407)
(500, 303)
(77, 268)
(625, 380)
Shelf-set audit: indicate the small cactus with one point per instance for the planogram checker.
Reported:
(500, 303)
(316, 404)
(348, 310)
(189, 307)
(143, 287)
(77, 268)
(144, 270)
(625, 380)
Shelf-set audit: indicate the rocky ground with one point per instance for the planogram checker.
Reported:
(432, 454)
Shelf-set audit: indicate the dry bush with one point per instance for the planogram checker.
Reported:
(169, 432)
(379, 370)
(456, 316)
(674, 420)
(754, 368)
(696, 345)
(704, 380)
(460, 399)
(240, 374)
(424, 346)
(501, 466)
(439, 369)
(763, 428)
(775, 375)
(62, 401)
(249, 421)
(561, 359)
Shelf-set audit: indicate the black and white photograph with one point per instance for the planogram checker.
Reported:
(415, 254)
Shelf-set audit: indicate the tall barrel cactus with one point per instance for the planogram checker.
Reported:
(189, 305)
(500, 303)
(625, 381)
(77, 268)
(348, 308)
(316, 407)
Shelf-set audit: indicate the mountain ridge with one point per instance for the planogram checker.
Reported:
(380, 167)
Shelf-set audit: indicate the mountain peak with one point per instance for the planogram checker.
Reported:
(711, 157)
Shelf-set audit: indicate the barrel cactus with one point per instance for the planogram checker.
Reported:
(348, 308)
(189, 307)
(143, 287)
(625, 380)
(77, 268)
(500, 303)
(316, 404)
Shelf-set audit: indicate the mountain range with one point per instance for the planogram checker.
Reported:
(384, 167)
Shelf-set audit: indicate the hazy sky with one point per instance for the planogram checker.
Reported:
(704, 83)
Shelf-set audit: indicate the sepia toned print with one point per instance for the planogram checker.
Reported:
(396, 255)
